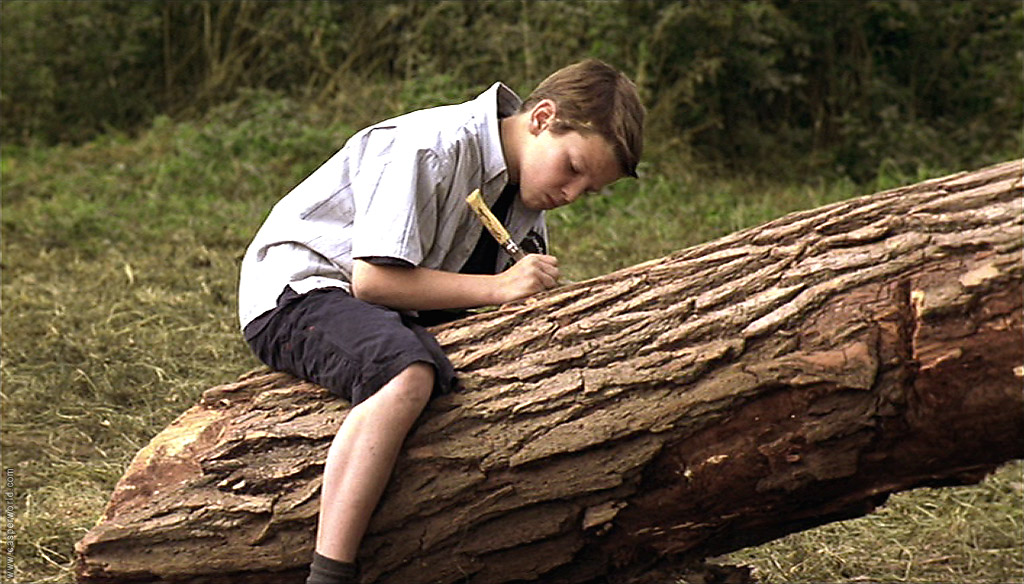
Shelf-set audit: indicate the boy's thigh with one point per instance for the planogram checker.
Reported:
(348, 346)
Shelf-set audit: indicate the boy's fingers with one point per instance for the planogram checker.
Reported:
(542, 260)
(548, 267)
(537, 272)
(550, 277)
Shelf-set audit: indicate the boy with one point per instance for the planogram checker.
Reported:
(336, 284)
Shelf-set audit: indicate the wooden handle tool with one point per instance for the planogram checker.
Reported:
(476, 202)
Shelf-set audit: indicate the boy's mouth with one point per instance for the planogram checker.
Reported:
(553, 201)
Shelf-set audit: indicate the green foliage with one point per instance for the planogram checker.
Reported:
(832, 87)
(73, 69)
(844, 86)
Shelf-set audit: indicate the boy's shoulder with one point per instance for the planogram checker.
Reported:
(474, 115)
(457, 134)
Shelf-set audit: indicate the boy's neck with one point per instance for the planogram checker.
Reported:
(512, 130)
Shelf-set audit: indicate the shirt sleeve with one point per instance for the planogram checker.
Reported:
(395, 193)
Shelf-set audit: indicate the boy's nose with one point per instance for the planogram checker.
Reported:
(572, 192)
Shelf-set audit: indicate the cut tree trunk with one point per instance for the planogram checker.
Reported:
(781, 377)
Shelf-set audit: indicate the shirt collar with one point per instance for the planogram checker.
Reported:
(497, 102)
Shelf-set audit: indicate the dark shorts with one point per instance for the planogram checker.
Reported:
(348, 346)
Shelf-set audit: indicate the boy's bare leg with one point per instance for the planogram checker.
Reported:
(361, 458)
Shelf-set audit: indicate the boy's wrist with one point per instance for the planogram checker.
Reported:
(497, 291)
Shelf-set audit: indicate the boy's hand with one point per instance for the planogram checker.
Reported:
(530, 275)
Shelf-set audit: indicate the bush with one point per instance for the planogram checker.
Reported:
(826, 87)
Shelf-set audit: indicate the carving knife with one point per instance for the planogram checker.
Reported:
(476, 202)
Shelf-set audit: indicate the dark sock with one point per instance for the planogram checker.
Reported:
(324, 570)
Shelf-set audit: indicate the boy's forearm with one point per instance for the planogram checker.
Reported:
(422, 288)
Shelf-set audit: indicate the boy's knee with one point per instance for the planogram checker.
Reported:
(415, 384)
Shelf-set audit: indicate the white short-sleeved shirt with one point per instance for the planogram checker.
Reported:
(395, 190)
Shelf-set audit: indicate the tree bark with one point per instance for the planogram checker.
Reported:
(775, 379)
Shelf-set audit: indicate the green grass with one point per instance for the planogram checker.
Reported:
(637, 221)
(119, 268)
(962, 535)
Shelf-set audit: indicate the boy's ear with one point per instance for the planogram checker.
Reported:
(542, 115)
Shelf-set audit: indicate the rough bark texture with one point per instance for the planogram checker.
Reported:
(778, 378)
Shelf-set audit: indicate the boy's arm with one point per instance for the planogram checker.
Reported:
(426, 289)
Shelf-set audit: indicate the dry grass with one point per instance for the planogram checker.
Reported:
(118, 288)
(958, 535)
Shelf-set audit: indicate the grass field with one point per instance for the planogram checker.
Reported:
(119, 267)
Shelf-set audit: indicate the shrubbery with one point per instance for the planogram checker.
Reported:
(830, 87)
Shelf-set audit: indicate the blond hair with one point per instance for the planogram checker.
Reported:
(592, 96)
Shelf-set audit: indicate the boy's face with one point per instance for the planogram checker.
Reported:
(555, 169)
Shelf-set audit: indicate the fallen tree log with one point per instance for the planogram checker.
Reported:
(781, 377)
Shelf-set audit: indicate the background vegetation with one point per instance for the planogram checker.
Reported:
(143, 143)
(829, 86)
